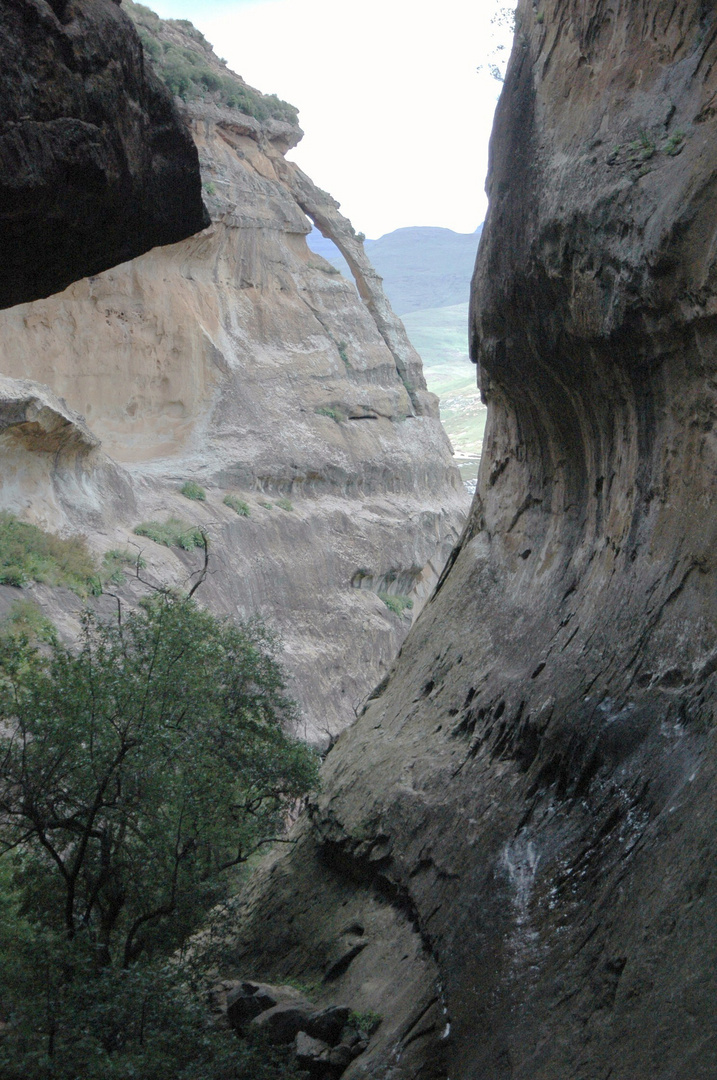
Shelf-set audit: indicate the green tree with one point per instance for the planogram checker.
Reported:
(136, 771)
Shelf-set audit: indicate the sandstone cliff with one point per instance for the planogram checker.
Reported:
(519, 831)
(95, 164)
(241, 360)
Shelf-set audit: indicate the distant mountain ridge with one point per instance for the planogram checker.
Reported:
(421, 266)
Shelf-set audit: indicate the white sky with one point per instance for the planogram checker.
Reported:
(395, 115)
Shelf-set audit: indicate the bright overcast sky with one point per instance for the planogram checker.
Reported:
(395, 115)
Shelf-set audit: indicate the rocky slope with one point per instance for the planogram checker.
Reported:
(95, 164)
(519, 830)
(242, 361)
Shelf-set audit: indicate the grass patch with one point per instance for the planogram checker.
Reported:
(396, 604)
(172, 533)
(643, 148)
(674, 143)
(28, 553)
(364, 1021)
(26, 620)
(284, 503)
(267, 505)
(333, 414)
(191, 490)
(343, 354)
(237, 505)
(114, 564)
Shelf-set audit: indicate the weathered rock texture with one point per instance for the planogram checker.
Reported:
(242, 360)
(532, 794)
(95, 164)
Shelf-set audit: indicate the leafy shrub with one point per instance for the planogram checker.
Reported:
(172, 533)
(396, 604)
(135, 772)
(27, 554)
(284, 504)
(237, 505)
(192, 490)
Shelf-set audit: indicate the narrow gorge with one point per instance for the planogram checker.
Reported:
(508, 870)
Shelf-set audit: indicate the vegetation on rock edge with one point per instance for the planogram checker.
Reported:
(190, 70)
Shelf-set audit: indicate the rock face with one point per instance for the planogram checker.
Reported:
(530, 800)
(242, 360)
(95, 164)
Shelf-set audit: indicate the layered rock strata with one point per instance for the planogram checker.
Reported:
(95, 164)
(243, 361)
(530, 797)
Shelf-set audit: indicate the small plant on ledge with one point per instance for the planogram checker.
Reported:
(172, 533)
(192, 490)
(366, 1022)
(396, 604)
(284, 504)
(237, 505)
(333, 414)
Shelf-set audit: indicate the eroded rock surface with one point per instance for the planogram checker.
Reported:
(243, 361)
(533, 789)
(95, 164)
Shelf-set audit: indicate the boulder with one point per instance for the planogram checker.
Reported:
(339, 1057)
(328, 1023)
(282, 1023)
(248, 1000)
(309, 1050)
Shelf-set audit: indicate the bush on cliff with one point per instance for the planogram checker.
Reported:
(28, 554)
(136, 772)
(172, 533)
(189, 71)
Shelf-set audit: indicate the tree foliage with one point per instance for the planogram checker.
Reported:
(136, 771)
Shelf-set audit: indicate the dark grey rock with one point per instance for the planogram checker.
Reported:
(340, 1057)
(282, 1023)
(309, 1050)
(96, 165)
(248, 1000)
(328, 1023)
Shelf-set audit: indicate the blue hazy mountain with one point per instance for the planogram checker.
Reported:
(422, 267)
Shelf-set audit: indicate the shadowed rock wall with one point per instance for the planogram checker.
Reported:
(533, 788)
(96, 166)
